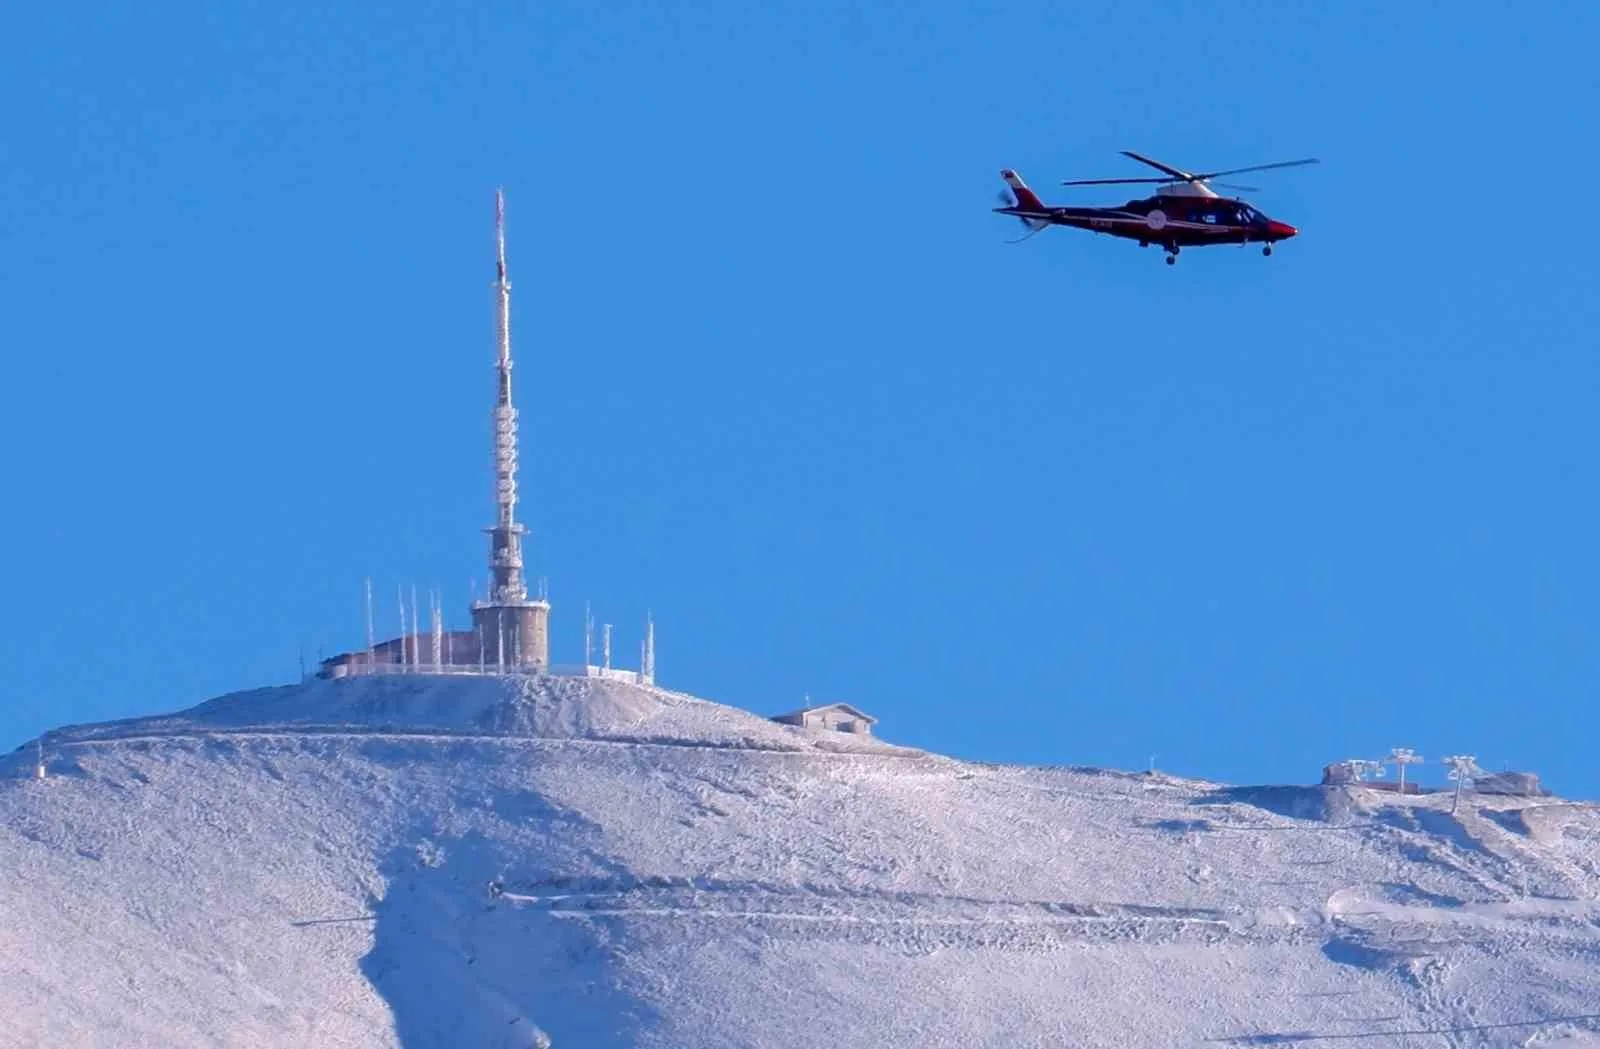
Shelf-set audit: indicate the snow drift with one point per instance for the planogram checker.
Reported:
(427, 862)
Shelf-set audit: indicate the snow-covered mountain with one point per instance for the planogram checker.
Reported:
(470, 862)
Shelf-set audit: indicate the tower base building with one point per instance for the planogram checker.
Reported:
(513, 635)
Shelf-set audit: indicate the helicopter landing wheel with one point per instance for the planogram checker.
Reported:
(1172, 258)
(1266, 249)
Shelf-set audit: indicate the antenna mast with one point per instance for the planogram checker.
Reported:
(520, 625)
(372, 643)
(647, 657)
(437, 600)
(506, 564)
(400, 596)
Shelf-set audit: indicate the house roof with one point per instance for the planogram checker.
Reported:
(863, 715)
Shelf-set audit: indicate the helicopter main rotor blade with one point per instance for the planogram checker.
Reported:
(1112, 181)
(1260, 167)
(1168, 168)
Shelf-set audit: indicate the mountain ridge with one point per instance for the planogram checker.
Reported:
(420, 862)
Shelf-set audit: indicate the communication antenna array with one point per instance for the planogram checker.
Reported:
(1360, 767)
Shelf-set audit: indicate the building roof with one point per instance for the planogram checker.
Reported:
(863, 715)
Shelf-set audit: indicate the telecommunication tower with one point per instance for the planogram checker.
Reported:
(513, 628)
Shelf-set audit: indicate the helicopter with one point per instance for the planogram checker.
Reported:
(1184, 212)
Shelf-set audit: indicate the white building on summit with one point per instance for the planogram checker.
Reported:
(838, 717)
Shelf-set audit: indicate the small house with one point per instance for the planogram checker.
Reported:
(837, 717)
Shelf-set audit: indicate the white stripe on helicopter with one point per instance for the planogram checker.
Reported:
(1139, 220)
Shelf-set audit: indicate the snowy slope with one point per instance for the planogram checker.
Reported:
(312, 866)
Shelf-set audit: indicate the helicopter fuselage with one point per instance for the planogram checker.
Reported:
(1171, 221)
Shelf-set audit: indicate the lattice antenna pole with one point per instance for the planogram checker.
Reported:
(438, 630)
(1462, 768)
(372, 643)
(38, 758)
(647, 657)
(416, 630)
(588, 637)
(1400, 757)
(606, 644)
(400, 596)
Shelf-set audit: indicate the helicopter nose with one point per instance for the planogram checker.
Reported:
(1281, 230)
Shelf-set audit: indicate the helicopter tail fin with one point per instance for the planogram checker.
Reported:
(1022, 199)
(1026, 198)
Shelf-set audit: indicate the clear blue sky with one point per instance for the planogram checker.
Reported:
(784, 385)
